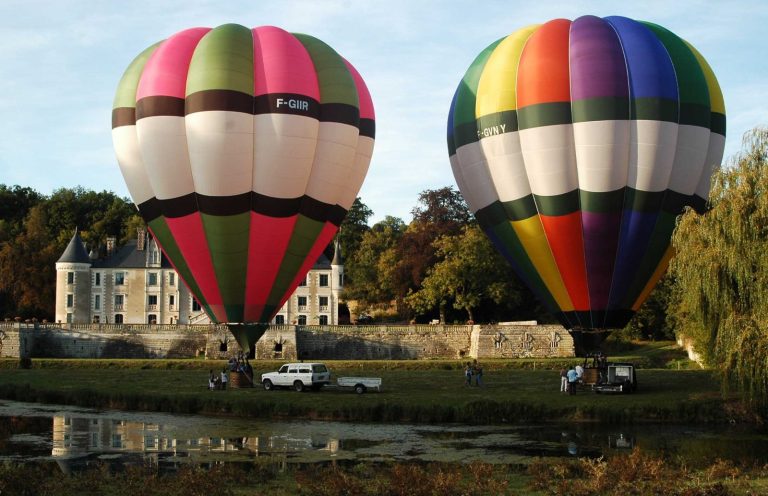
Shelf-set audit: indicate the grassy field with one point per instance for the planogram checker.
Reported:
(516, 391)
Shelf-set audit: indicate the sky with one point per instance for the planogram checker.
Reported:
(60, 62)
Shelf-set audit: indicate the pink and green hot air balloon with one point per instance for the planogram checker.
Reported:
(577, 144)
(243, 149)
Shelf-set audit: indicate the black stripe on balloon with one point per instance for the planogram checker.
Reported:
(225, 100)
(123, 116)
(717, 123)
(367, 127)
(238, 204)
(341, 113)
(152, 106)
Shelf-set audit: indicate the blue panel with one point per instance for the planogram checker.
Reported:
(651, 73)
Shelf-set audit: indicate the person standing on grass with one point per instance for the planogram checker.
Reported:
(563, 380)
(224, 379)
(478, 369)
(211, 381)
(468, 375)
(572, 378)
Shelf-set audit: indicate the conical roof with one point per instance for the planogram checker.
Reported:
(338, 258)
(75, 252)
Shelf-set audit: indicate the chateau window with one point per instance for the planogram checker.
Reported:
(96, 319)
(302, 302)
(303, 281)
(323, 280)
(152, 278)
(195, 306)
(323, 320)
(118, 318)
(341, 280)
(69, 318)
(70, 277)
(70, 301)
(302, 320)
(171, 279)
(323, 303)
(97, 302)
(279, 319)
(119, 278)
(97, 279)
(171, 301)
(119, 302)
(152, 301)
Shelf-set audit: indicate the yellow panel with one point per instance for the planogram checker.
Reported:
(715, 93)
(497, 88)
(660, 270)
(534, 240)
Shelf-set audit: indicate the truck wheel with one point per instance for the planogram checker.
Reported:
(359, 389)
(268, 386)
(298, 386)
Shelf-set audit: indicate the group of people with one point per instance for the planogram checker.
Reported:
(570, 378)
(475, 370)
(218, 381)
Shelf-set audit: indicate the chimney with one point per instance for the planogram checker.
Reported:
(111, 240)
(141, 239)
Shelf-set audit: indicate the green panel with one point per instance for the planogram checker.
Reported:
(125, 96)
(304, 235)
(643, 201)
(336, 83)
(657, 246)
(163, 235)
(544, 114)
(600, 109)
(497, 123)
(691, 83)
(603, 202)
(555, 205)
(717, 123)
(228, 238)
(223, 60)
(654, 109)
(466, 96)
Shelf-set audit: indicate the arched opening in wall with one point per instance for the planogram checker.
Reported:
(151, 319)
(118, 318)
(344, 317)
(278, 350)
(222, 346)
(302, 320)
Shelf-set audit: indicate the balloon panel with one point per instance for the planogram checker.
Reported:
(576, 144)
(243, 149)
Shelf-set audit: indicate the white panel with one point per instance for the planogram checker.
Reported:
(479, 189)
(652, 154)
(602, 154)
(221, 152)
(163, 144)
(506, 166)
(126, 146)
(713, 161)
(692, 146)
(284, 149)
(550, 160)
(334, 162)
(363, 155)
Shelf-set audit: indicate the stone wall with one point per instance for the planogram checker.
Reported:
(286, 342)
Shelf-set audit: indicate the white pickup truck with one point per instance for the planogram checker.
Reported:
(298, 376)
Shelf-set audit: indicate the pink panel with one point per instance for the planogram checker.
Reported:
(166, 71)
(269, 237)
(189, 235)
(325, 237)
(366, 103)
(281, 64)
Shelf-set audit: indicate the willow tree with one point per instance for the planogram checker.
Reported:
(721, 268)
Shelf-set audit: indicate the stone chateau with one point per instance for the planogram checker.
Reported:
(135, 284)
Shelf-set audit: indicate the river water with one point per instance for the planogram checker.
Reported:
(76, 437)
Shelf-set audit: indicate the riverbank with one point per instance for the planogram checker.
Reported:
(413, 391)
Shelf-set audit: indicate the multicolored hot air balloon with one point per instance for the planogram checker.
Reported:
(243, 149)
(577, 144)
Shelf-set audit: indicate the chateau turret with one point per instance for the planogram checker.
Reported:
(73, 282)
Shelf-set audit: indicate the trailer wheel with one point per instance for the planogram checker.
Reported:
(359, 389)
(298, 386)
(268, 386)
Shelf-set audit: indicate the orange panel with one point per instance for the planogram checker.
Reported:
(543, 75)
(565, 241)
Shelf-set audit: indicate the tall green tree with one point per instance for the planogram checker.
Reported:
(721, 268)
(354, 226)
(470, 271)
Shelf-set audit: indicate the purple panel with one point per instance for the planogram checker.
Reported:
(596, 60)
(633, 243)
(601, 235)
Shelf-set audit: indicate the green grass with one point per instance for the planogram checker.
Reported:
(435, 394)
